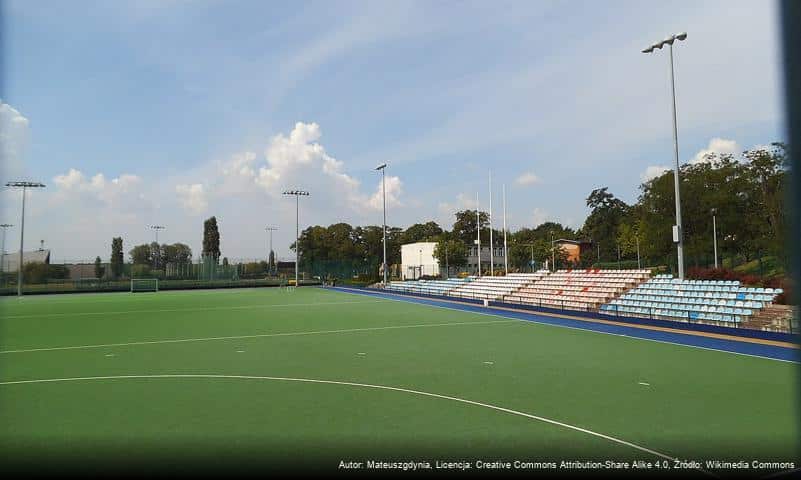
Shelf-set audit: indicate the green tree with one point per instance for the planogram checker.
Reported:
(225, 261)
(99, 268)
(177, 253)
(421, 232)
(117, 259)
(141, 255)
(464, 228)
(211, 238)
(603, 222)
(450, 252)
(271, 262)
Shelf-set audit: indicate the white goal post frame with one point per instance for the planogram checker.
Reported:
(144, 280)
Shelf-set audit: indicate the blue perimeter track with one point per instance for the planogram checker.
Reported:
(687, 339)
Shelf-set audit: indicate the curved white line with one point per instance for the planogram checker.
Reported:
(363, 385)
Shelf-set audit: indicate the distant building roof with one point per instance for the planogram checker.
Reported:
(10, 261)
(574, 242)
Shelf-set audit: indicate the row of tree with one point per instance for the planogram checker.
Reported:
(746, 196)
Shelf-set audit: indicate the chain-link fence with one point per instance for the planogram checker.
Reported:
(199, 272)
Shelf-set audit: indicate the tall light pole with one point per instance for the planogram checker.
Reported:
(297, 194)
(678, 235)
(383, 167)
(156, 229)
(24, 186)
(637, 238)
(715, 235)
(3, 262)
(505, 249)
(553, 254)
(447, 267)
(478, 235)
(270, 229)
(492, 248)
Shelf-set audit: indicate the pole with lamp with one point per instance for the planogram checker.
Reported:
(297, 194)
(157, 254)
(383, 167)
(715, 235)
(270, 230)
(24, 186)
(678, 234)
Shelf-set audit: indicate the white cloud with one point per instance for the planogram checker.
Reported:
(652, 172)
(13, 140)
(298, 160)
(192, 197)
(111, 193)
(463, 202)
(394, 190)
(527, 178)
(717, 145)
(539, 216)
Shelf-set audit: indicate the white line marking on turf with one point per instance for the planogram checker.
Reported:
(203, 309)
(361, 353)
(362, 385)
(489, 363)
(644, 383)
(563, 326)
(109, 354)
(263, 335)
(240, 351)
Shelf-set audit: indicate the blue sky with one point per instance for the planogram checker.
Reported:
(171, 111)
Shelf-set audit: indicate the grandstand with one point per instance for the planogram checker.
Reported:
(577, 289)
(490, 288)
(620, 293)
(428, 287)
(708, 301)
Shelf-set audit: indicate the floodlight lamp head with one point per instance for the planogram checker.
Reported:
(649, 49)
(381, 167)
(682, 36)
(669, 40)
(25, 184)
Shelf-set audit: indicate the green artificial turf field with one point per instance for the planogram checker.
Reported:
(224, 375)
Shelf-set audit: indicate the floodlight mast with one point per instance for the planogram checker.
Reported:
(24, 186)
(383, 167)
(678, 233)
(270, 229)
(156, 229)
(297, 194)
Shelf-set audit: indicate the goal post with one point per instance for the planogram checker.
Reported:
(144, 285)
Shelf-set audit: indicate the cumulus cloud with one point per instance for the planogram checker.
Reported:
(298, 160)
(717, 145)
(539, 216)
(394, 191)
(110, 192)
(13, 140)
(527, 178)
(652, 172)
(463, 202)
(192, 197)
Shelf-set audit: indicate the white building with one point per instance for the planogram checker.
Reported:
(417, 259)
